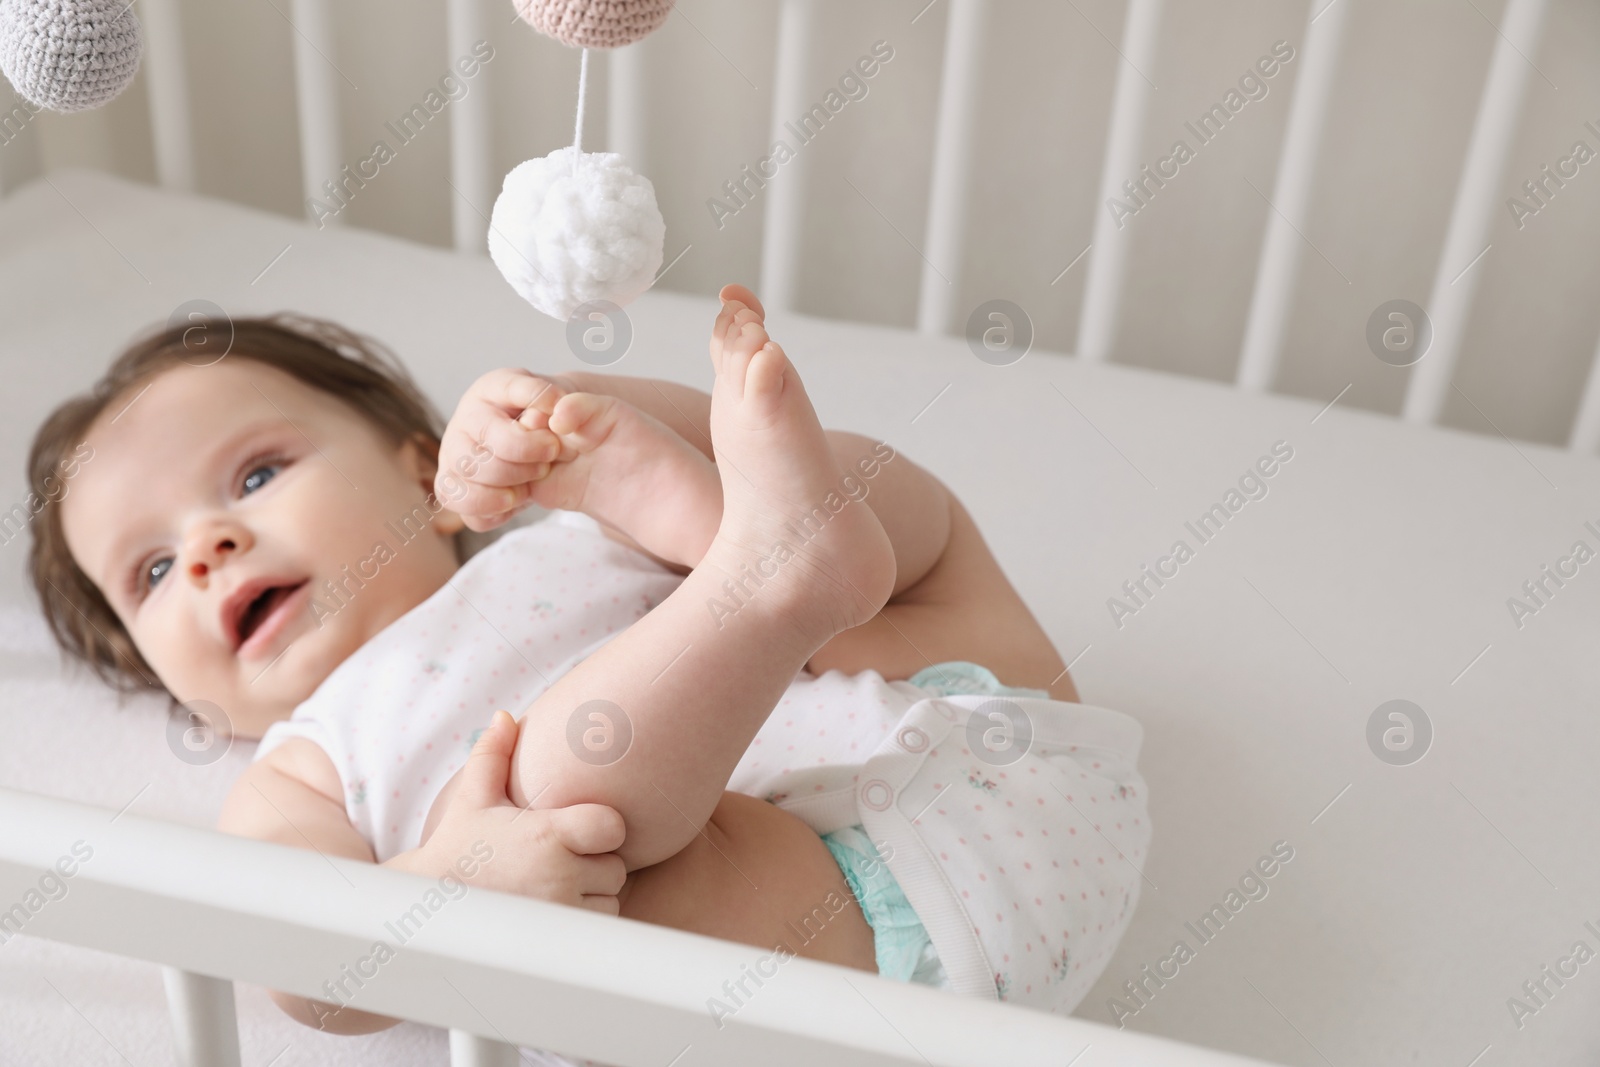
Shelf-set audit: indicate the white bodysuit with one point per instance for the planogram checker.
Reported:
(1023, 868)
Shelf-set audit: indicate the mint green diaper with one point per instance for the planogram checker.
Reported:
(900, 942)
(960, 678)
(904, 951)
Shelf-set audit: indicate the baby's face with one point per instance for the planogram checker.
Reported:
(222, 482)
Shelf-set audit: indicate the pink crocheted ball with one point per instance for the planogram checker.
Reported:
(594, 23)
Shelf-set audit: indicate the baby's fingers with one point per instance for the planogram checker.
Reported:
(488, 768)
(502, 473)
(601, 875)
(485, 506)
(589, 829)
(605, 905)
(513, 391)
(511, 440)
(600, 879)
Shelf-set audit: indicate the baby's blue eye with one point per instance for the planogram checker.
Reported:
(251, 484)
(155, 572)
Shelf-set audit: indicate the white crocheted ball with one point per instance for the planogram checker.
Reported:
(69, 55)
(563, 240)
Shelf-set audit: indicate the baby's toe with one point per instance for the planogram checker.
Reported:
(719, 334)
(764, 377)
(752, 335)
(583, 420)
(738, 294)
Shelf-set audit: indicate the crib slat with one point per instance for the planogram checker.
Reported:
(205, 1028)
(1291, 198)
(784, 220)
(470, 1050)
(1585, 439)
(1477, 202)
(317, 96)
(952, 165)
(167, 83)
(470, 165)
(1102, 295)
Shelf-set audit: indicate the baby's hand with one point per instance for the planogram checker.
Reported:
(566, 855)
(498, 444)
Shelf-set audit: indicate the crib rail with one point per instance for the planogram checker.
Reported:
(497, 970)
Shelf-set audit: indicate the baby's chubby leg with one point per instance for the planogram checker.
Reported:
(757, 875)
(910, 503)
(653, 723)
(952, 600)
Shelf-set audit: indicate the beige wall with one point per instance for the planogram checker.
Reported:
(1408, 88)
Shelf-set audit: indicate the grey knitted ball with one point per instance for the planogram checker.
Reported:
(69, 55)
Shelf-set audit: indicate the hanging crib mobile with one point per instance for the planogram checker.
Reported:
(574, 227)
(69, 55)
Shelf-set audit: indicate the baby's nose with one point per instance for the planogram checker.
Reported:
(201, 567)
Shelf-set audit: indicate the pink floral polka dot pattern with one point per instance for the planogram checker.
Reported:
(399, 716)
(1024, 874)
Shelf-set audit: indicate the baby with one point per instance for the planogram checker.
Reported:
(745, 650)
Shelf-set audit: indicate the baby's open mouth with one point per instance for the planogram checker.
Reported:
(261, 609)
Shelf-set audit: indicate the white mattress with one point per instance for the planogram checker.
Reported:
(1378, 567)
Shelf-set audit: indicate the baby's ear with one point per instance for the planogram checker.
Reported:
(419, 457)
(448, 522)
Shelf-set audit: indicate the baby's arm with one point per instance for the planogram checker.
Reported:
(293, 796)
(273, 801)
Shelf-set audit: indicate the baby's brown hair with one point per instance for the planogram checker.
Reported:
(355, 369)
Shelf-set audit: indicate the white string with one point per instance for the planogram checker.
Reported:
(583, 85)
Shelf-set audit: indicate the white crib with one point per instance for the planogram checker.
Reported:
(530, 974)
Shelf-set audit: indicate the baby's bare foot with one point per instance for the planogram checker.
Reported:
(791, 539)
(623, 467)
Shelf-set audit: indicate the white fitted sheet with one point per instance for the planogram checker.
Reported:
(1377, 567)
